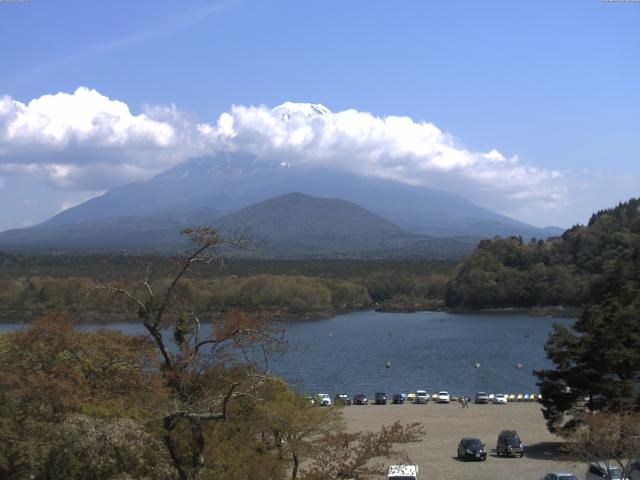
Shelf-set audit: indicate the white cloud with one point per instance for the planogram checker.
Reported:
(85, 141)
(391, 147)
(77, 198)
(83, 137)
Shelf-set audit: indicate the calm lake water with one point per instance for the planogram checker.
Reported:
(429, 350)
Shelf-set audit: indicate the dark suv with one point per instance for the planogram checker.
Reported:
(360, 399)
(509, 444)
(381, 398)
(398, 399)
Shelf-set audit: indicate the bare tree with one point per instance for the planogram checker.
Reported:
(202, 373)
(610, 438)
(344, 455)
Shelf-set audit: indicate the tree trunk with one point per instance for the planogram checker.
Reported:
(296, 463)
(169, 424)
(198, 448)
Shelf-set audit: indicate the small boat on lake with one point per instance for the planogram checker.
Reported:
(476, 365)
(387, 365)
(519, 365)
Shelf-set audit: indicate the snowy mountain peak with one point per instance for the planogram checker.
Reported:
(292, 109)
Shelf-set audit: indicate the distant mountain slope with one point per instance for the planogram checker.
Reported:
(229, 182)
(294, 225)
(296, 215)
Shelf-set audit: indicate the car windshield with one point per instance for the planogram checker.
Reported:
(567, 477)
(512, 440)
(615, 473)
(475, 443)
(402, 477)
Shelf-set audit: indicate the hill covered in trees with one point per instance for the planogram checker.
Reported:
(571, 270)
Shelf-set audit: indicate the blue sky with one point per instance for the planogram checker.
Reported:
(555, 85)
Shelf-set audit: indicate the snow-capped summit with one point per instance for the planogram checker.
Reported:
(292, 109)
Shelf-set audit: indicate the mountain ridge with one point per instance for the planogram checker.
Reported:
(229, 182)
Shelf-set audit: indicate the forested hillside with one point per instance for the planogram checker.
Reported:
(32, 285)
(571, 270)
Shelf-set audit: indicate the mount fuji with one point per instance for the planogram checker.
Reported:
(215, 189)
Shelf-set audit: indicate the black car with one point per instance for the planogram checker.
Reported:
(398, 399)
(509, 444)
(360, 399)
(381, 398)
(472, 449)
(341, 399)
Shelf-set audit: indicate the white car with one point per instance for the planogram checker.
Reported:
(403, 472)
(443, 397)
(500, 399)
(421, 396)
(323, 399)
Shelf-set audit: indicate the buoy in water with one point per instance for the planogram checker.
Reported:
(519, 365)
(476, 365)
(387, 365)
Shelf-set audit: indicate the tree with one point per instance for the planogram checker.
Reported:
(51, 372)
(297, 425)
(202, 375)
(610, 438)
(89, 448)
(344, 455)
(596, 365)
(597, 362)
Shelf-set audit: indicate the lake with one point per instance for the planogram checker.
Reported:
(429, 350)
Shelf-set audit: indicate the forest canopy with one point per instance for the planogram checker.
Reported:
(570, 270)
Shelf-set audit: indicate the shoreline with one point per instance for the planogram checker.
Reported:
(285, 317)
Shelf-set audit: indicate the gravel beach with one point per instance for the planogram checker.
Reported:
(446, 424)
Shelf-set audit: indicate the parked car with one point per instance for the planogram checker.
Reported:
(443, 397)
(509, 444)
(421, 396)
(482, 397)
(559, 476)
(341, 399)
(500, 399)
(598, 471)
(360, 399)
(634, 470)
(403, 472)
(381, 398)
(397, 398)
(323, 399)
(472, 448)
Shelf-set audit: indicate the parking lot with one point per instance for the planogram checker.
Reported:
(446, 424)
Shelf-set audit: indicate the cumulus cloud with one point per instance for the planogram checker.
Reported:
(85, 141)
(394, 147)
(72, 139)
